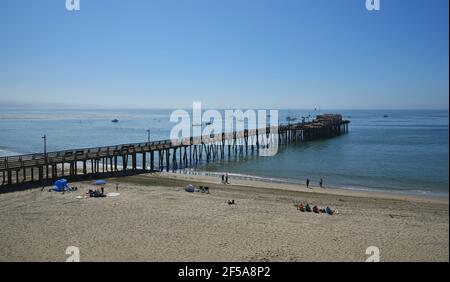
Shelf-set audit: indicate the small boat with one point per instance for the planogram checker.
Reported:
(385, 116)
(115, 120)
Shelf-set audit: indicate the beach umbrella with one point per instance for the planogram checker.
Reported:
(100, 182)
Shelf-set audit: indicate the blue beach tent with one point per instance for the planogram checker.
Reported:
(60, 185)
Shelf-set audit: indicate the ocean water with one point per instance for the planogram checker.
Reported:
(408, 151)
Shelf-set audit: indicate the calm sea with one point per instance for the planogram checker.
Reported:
(407, 151)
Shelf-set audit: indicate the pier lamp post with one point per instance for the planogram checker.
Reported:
(148, 135)
(45, 159)
(148, 141)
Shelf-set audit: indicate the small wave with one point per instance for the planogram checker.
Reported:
(233, 175)
(415, 192)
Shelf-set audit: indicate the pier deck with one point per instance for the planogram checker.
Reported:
(163, 153)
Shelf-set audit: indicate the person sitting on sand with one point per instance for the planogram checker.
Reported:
(329, 211)
(308, 207)
(316, 209)
(301, 207)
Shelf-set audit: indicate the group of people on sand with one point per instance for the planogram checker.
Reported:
(308, 182)
(97, 193)
(225, 178)
(306, 207)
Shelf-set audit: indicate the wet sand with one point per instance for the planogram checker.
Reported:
(154, 219)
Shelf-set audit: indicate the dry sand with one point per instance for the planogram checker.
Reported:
(154, 219)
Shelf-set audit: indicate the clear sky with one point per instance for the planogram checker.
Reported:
(225, 53)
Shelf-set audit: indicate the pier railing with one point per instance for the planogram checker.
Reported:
(211, 147)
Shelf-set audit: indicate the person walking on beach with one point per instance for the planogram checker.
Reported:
(223, 177)
(307, 182)
(226, 179)
(321, 183)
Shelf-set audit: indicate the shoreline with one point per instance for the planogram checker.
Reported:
(253, 180)
(271, 183)
(344, 191)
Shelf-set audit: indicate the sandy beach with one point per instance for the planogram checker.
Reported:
(155, 219)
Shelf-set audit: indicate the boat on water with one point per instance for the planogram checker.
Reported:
(385, 116)
(115, 120)
(291, 119)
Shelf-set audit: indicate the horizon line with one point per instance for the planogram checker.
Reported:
(212, 108)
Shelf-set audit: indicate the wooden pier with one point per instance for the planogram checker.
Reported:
(160, 155)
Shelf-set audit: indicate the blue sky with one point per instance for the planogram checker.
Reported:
(225, 53)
